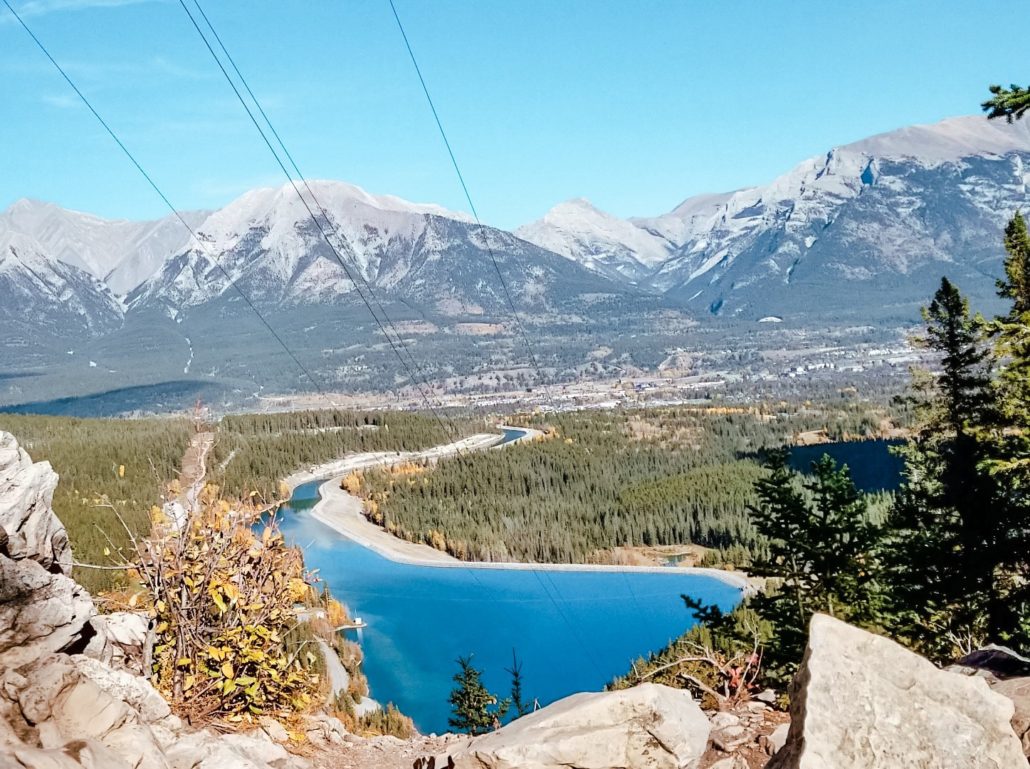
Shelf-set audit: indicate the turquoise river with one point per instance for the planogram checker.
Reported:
(572, 630)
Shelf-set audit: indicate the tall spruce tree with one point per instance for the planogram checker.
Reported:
(942, 553)
(1011, 333)
(820, 555)
(1011, 463)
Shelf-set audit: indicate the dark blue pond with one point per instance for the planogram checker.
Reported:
(573, 631)
(873, 466)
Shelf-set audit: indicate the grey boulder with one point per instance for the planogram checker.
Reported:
(861, 701)
(647, 727)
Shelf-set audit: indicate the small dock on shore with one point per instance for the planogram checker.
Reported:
(356, 624)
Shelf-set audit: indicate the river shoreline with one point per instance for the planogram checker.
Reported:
(342, 512)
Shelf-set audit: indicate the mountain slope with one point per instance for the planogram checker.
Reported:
(122, 253)
(46, 297)
(611, 246)
(866, 227)
(267, 244)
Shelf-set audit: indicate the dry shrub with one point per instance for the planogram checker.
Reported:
(223, 606)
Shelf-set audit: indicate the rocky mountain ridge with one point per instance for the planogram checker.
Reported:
(902, 205)
(884, 206)
(856, 238)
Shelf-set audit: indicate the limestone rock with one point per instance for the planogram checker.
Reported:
(121, 639)
(723, 719)
(40, 612)
(84, 711)
(41, 686)
(647, 727)
(778, 738)
(26, 492)
(322, 730)
(125, 687)
(79, 755)
(729, 738)
(1018, 691)
(862, 701)
(208, 750)
(136, 745)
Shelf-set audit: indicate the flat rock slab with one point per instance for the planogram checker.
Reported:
(647, 727)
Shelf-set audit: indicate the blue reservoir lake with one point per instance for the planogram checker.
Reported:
(873, 466)
(573, 630)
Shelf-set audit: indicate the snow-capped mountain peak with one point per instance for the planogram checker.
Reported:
(719, 246)
(580, 231)
(122, 253)
(266, 241)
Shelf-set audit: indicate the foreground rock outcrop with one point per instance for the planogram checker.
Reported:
(646, 727)
(861, 701)
(1018, 690)
(70, 692)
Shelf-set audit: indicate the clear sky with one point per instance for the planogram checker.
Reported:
(634, 105)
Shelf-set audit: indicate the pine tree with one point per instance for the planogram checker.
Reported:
(475, 709)
(1016, 285)
(1011, 333)
(942, 552)
(820, 555)
(518, 704)
(1010, 103)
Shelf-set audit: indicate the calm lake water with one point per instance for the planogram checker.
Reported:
(873, 466)
(573, 631)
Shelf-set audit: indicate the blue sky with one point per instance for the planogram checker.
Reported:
(634, 105)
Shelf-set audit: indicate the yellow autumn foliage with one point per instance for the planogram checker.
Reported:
(223, 605)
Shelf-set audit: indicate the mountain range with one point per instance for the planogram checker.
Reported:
(861, 233)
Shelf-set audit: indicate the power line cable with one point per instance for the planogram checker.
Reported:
(503, 283)
(318, 224)
(472, 207)
(132, 158)
(307, 187)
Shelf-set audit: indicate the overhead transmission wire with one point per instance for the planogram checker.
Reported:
(318, 224)
(304, 181)
(150, 180)
(472, 207)
(293, 164)
(511, 304)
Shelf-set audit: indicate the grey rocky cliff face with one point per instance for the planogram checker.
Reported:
(26, 515)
